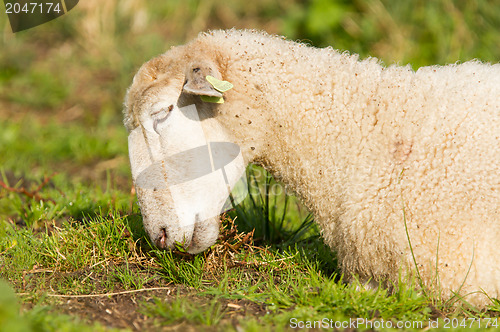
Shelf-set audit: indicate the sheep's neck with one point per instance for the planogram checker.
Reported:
(305, 113)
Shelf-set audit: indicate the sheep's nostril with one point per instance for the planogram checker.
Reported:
(162, 241)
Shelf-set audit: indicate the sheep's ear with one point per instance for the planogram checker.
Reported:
(197, 84)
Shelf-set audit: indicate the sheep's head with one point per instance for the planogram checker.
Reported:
(182, 166)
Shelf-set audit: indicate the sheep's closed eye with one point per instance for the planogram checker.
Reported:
(160, 116)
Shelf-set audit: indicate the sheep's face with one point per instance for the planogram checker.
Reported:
(181, 174)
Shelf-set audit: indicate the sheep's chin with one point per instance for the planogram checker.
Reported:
(204, 236)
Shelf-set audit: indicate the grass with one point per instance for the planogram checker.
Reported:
(39, 318)
(73, 253)
(106, 256)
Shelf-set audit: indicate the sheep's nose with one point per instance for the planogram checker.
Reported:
(162, 241)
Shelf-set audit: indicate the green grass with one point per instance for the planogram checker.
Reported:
(73, 253)
(108, 253)
(40, 318)
(209, 313)
(269, 209)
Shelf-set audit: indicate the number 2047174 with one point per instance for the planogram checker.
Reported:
(454, 323)
(32, 8)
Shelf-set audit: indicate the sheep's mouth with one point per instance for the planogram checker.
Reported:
(203, 235)
(162, 242)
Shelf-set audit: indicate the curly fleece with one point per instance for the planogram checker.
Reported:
(385, 157)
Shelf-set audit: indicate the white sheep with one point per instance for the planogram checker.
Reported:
(401, 168)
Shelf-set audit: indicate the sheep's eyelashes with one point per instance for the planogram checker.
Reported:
(160, 116)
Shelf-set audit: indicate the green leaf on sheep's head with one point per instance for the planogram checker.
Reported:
(210, 99)
(221, 86)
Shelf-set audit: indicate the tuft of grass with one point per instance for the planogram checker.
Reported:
(175, 269)
(129, 278)
(272, 213)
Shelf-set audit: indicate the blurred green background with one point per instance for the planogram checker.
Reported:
(62, 83)
(62, 139)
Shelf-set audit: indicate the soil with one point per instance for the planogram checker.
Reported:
(127, 310)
